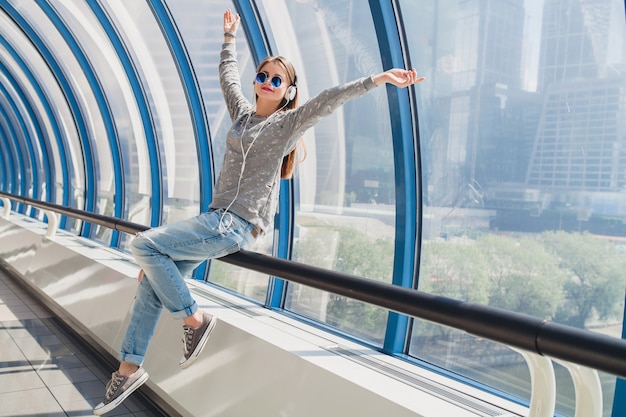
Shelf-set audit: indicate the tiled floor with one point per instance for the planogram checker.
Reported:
(43, 370)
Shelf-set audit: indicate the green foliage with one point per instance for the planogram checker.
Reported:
(359, 255)
(352, 252)
(524, 277)
(456, 270)
(596, 274)
(360, 319)
(371, 258)
(571, 278)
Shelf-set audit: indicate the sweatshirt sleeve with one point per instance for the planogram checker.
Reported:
(230, 82)
(326, 102)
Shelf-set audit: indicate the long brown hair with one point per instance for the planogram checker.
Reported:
(289, 160)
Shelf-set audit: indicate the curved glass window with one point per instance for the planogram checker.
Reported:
(89, 110)
(46, 184)
(67, 129)
(203, 43)
(11, 120)
(123, 107)
(523, 148)
(345, 189)
(168, 102)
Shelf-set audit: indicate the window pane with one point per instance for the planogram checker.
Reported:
(523, 151)
(125, 116)
(168, 104)
(67, 59)
(345, 189)
(203, 42)
(67, 140)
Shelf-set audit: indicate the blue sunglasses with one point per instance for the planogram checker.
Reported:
(275, 81)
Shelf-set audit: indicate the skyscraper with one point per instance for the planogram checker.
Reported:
(579, 154)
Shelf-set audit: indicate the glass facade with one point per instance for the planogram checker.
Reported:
(506, 168)
(522, 182)
(345, 205)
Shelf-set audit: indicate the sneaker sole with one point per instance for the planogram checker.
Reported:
(205, 337)
(110, 406)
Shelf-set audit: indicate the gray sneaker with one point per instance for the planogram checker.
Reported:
(119, 388)
(194, 340)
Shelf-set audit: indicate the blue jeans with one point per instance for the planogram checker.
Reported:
(167, 255)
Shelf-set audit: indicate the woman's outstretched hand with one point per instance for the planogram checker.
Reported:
(231, 22)
(398, 77)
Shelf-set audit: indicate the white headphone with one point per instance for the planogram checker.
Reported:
(290, 94)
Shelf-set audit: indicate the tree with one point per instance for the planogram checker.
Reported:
(369, 258)
(596, 276)
(455, 269)
(524, 276)
(350, 251)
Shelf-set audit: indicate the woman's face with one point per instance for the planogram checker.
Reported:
(266, 90)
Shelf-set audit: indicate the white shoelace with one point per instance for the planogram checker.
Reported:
(116, 381)
(187, 339)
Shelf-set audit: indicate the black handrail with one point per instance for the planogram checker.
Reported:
(522, 331)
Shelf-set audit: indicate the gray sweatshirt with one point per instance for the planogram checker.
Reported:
(251, 191)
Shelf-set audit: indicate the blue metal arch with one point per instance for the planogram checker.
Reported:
(28, 143)
(144, 110)
(105, 112)
(43, 144)
(10, 179)
(194, 97)
(61, 77)
(385, 23)
(4, 164)
(12, 144)
(254, 31)
(61, 143)
(198, 112)
(619, 400)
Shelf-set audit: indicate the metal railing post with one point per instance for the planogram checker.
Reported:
(587, 387)
(53, 222)
(542, 384)
(6, 202)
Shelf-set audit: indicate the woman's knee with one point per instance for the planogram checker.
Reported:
(141, 245)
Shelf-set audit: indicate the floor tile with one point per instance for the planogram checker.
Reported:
(10, 352)
(4, 333)
(54, 377)
(6, 313)
(26, 403)
(47, 371)
(19, 379)
(80, 390)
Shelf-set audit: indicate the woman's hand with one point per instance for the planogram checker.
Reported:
(398, 77)
(231, 22)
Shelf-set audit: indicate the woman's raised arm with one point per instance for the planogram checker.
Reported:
(398, 77)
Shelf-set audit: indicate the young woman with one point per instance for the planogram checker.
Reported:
(260, 148)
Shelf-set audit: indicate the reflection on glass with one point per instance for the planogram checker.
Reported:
(345, 190)
(67, 140)
(91, 37)
(524, 156)
(169, 108)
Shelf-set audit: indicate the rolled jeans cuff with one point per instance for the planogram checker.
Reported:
(186, 312)
(129, 357)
